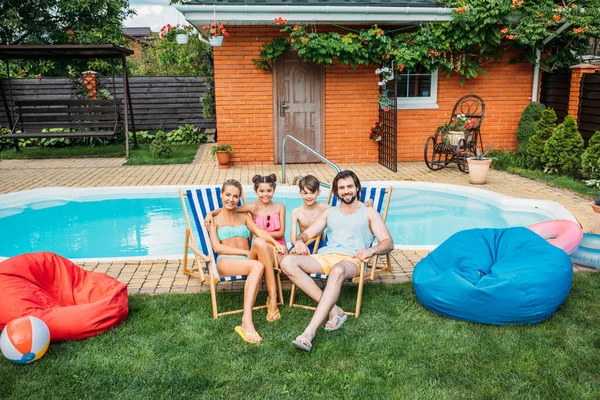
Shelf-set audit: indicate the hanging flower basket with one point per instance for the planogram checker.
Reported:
(182, 38)
(216, 41)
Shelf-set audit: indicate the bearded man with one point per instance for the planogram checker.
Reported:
(351, 229)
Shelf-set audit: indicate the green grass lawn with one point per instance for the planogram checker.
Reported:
(182, 154)
(170, 347)
(510, 163)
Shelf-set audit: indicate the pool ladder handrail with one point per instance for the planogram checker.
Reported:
(316, 153)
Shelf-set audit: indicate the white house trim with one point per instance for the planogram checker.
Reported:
(201, 14)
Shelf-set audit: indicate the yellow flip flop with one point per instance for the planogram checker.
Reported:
(245, 335)
(271, 315)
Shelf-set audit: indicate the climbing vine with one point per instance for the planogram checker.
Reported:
(479, 31)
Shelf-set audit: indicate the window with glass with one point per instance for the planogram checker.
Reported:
(417, 89)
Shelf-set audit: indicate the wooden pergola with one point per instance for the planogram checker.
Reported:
(66, 52)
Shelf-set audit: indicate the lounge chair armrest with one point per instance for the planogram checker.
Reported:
(204, 257)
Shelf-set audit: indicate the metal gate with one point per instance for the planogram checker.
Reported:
(388, 148)
(589, 105)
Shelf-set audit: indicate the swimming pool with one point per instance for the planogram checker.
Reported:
(147, 222)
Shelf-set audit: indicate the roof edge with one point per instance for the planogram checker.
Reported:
(255, 14)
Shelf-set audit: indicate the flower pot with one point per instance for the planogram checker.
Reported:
(478, 170)
(378, 138)
(223, 158)
(596, 210)
(452, 138)
(215, 40)
(182, 38)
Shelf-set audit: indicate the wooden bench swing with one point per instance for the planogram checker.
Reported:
(67, 118)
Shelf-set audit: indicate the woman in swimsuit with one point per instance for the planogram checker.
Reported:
(229, 239)
(268, 216)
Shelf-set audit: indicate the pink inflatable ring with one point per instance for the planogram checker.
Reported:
(562, 233)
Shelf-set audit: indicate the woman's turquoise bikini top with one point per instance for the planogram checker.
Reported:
(228, 232)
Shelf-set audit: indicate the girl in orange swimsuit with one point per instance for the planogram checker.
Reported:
(229, 239)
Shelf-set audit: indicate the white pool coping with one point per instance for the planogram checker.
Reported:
(12, 203)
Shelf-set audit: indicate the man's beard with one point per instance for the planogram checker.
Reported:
(349, 201)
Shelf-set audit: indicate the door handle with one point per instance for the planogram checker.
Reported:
(282, 107)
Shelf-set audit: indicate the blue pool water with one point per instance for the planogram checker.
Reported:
(154, 227)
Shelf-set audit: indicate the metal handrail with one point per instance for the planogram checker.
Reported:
(337, 169)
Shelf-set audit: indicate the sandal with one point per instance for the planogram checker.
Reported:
(274, 315)
(302, 344)
(245, 335)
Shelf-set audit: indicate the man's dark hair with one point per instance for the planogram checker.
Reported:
(343, 175)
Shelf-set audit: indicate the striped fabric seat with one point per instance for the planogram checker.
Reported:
(381, 199)
(202, 201)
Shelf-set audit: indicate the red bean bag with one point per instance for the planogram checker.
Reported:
(73, 302)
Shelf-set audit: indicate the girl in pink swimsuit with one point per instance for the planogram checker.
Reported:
(268, 215)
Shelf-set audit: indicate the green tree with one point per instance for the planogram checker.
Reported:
(591, 157)
(536, 143)
(528, 123)
(62, 21)
(562, 152)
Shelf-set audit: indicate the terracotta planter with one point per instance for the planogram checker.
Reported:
(596, 217)
(478, 170)
(223, 157)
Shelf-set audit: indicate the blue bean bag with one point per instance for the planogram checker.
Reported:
(494, 276)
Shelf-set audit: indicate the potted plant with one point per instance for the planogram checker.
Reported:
(180, 32)
(216, 32)
(223, 153)
(384, 102)
(479, 166)
(457, 129)
(376, 132)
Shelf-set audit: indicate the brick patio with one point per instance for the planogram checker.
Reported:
(165, 276)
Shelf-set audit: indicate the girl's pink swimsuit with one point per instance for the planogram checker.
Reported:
(270, 223)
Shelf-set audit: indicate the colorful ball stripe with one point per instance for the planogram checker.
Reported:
(25, 340)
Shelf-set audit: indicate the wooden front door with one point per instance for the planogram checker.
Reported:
(298, 108)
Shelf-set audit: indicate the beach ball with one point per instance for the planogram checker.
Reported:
(25, 339)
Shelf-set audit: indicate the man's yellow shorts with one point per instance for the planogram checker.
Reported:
(327, 261)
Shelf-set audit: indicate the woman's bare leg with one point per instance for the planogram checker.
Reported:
(254, 270)
(262, 252)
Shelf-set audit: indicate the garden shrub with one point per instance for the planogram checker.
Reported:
(535, 144)
(527, 124)
(562, 152)
(160, 146)
(143, 137)
(186, 134)
(591, 157)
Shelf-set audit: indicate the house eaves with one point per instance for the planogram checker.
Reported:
(355, 12)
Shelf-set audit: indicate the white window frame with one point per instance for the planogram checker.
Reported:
(407, 103)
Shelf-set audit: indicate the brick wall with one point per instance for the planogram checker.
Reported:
(244, 96)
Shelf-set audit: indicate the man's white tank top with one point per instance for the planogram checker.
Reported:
(346, 234)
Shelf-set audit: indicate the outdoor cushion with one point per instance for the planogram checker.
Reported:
(73, 302)
(494, 276)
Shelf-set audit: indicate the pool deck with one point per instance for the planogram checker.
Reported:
(155, 277)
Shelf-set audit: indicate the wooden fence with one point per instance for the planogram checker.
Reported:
(169, 101)
(589, 105)
(554, 92)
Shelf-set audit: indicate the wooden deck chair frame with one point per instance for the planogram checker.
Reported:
(383, 206)
(206, 256)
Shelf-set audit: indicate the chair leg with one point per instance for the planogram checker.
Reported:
(361, 282)
(280, 290)
(388, 260)
(292, 295)
(185, 251)
(213, 295)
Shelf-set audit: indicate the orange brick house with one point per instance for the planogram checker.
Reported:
(333, 108)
